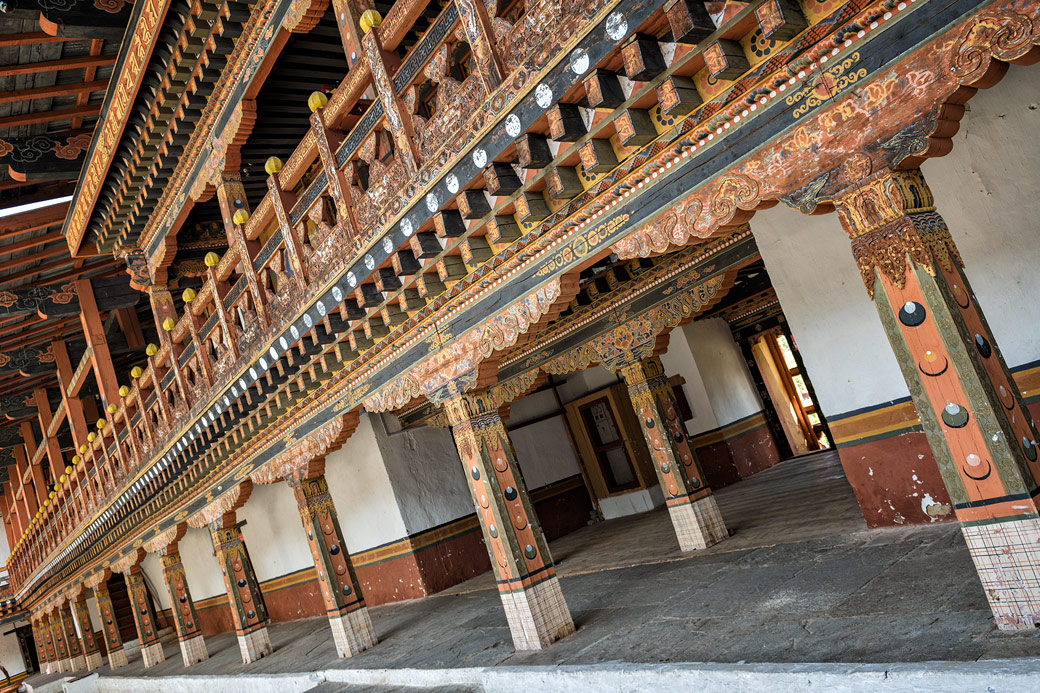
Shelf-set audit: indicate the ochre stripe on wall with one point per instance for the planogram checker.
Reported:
(730, 431)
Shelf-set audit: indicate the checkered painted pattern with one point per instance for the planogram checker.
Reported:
(94, 660)
(699, 524)
(538, 615)
(117, 659)
(1007, 557)
(193, 650)
(152, 654)
(254, 645)
(352, 632)
(78, 663)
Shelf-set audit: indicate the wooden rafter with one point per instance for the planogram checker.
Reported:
(31, 243)
(86, 87)
(4, 281)
(39, 255)
(50, 116)
(30, 38)
(35, 220)
(56, 65)
(88, 74)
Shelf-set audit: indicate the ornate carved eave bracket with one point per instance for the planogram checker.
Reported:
(228, 501)
(86, 19)
(162, 541)
(127, 563)
(295, 464)
(45, 157)
(456, 368)
(60, 300)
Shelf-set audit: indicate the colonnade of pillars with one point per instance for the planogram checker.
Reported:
(976, 422)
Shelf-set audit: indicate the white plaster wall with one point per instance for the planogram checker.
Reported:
(839, 334)
(544, 452)
(987, 191)
(360, 487)
(425, 473)
(5, 548)
(586, 381)
(151, 566)
(10, 652)
(679, 360)
(727, 381)
(200, 565)
(273, 532)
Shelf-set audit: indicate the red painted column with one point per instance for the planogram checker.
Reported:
(91, 651)
(189, 634)
(978, 428)
(113, 642)
(535, 608)
(691, 505)
(71, 638)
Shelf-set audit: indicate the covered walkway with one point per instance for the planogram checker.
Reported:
(801, 580)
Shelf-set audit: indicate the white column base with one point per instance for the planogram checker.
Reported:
(255, 645)
(1007, 558)
(64, 665)
(537, 616)
(153, 654)
(353, 632)
(193, 650)
(78, 663)
(699, 524)
(94, 660)
(117, 659)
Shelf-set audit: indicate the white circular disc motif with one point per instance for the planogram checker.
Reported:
(431, 202)
(512, 125)
(284, 342)
(320, 305)
(406, 227)
(252, 373)
(308, 320)
(479, 158)
(294, 332)
(543, 95)
(273, 354)
(351, 279)
(337, 293)
(263, 363)
(370, 262)
(579, 61)
(452, 182)
(617, 26)
(388, 245)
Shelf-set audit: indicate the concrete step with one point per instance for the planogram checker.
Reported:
(330, 687)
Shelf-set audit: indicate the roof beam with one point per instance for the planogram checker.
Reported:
(30, 38)
(35, 220)
(49, 116)
(57, 156)
(55, 90)
(56, 65)
(31, 243)
(20, 261)
(18, 276)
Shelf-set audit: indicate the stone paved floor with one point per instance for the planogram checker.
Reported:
(801, 580)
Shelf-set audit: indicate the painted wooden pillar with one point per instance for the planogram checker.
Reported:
(91, 650)
(243, 589)
(344, 603)
(144, 616)
(61, 650)
(475, 22)
(47, 640)
(39, 637)
(978, 428)
(113, 642)
(695, 515)
(72, 642)
(399, 120)
(348, 18)
(189, 634)
(231, 195)
(535, 608)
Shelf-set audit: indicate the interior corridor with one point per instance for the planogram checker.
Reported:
(801, 579)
